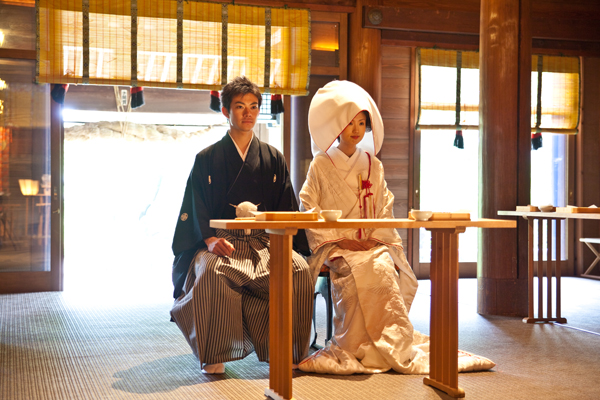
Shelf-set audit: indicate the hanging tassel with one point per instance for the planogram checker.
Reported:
(137, 97)
(536, 140)
(276, 104)
(215, 102)
(458, 140)
(58, 93)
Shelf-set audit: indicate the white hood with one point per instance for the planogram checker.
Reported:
(333, 107)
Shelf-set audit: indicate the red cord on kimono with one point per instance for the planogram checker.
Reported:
(364, 204)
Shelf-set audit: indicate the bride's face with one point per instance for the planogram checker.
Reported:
(355, 131)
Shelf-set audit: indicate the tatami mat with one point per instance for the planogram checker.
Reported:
(55, 346)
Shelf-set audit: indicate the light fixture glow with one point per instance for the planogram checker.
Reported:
(29, 187)
(1, 38)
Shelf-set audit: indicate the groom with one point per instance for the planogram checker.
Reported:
(221, 278)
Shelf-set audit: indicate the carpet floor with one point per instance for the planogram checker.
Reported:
(57, 346)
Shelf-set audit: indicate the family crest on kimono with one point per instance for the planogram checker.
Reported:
(221, 277)
(373, 285)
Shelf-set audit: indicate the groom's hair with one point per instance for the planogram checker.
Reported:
(240, 85)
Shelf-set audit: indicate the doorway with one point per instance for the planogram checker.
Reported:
(124, 179)
(25, 181)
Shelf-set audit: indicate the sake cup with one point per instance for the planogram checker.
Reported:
(331, 215)
(421, 215)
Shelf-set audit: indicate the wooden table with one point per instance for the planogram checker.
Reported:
(532, 217)
(443, 368)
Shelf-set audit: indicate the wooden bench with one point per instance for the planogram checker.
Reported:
(590, 242)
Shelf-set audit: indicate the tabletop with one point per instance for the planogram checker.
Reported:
(556, 215)
(362, 223)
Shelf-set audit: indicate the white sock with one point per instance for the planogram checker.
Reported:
(218, 368)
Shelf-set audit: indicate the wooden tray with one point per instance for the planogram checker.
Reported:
(528, 208)
(444, 216)
(574, 210)
(287, 216)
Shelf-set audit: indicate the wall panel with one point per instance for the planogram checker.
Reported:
(395, 110)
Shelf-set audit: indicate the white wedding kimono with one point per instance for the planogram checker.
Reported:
(372, 290)
(382, 337)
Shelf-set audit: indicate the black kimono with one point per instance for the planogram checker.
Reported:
(221, 303)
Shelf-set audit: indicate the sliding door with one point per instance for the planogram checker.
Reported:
(30, 193)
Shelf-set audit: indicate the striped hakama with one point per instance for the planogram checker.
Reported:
(223, 311)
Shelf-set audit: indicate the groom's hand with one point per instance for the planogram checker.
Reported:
(219, 246)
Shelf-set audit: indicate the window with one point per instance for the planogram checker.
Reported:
(449, 114)
(124, 178)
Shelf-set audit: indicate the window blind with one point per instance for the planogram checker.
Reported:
(172, 43)
(449, 91)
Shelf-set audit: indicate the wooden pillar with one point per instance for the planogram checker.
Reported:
(57, 137)
(300, 149)
(364, 53)
(588, 163)
(505, 152)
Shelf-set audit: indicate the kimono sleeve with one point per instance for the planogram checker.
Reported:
(192, 227)
(310, 197)
(193, 224)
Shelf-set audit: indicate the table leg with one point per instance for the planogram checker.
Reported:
(280, 315)
(530, 266)
(557, 268)
(531, 318)
(443, 358)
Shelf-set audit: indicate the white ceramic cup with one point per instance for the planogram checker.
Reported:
(331, 215)
(421, 215)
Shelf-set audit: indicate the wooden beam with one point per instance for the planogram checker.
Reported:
(346, 6)
(550, 20)
(18, 54)
(418, 18)
(566, 47)
(471, 42)
(428, 39)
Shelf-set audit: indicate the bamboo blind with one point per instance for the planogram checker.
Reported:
(554, 101)
(172, 43)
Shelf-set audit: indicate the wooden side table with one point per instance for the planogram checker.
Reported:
(552, 219)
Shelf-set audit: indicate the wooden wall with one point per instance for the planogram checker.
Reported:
(454, 24)
(587, 149)
(395, 111)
